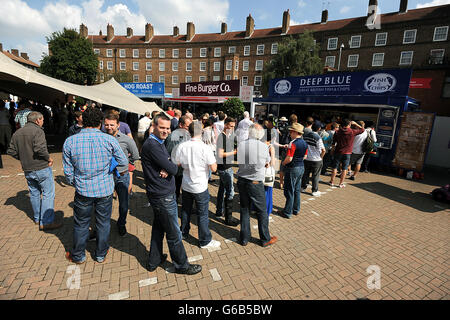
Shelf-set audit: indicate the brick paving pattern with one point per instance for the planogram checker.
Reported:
(324, 253)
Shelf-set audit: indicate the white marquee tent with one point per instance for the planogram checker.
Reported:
(21, 81)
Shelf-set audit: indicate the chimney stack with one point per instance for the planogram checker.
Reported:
(190, 31)
(110, 33)
(15, 52)
(25, 56)
(324, 16)
(176, 31)
(373, 7)
(129, 32)
(250, 26)
(83, 31)
(223, 28)
(403, 6)
(100, 33)
(149, 32)
(286, 22)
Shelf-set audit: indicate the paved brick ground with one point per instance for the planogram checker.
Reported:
(324, 253)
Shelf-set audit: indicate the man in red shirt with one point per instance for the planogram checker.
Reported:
(342, 148)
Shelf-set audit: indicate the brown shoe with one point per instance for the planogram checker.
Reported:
(69, 257)
(270, 242)
(51, 226)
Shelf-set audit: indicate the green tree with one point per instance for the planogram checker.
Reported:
(296, 57)
(233, 107)
(120, 76)
(71, 58)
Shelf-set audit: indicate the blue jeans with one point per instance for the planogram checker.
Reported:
(41, 183)
(202, 205)
(121, 186)
(166, 222)
(253, 192)
(292, 184)
(82, 210)
(225, 186)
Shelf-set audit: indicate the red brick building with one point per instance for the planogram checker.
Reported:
(23, 58)
(416, 39)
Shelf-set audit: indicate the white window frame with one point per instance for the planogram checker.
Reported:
(274, 48)
(257, 81)
(135, 53)
(201, 78)
(148, 78)
(109, 65)
(148, 66)
(244, 83)
(100, 64)
(122, 53)
(188, 66)
(246, 51)
(124, 64)
(216, 78)
(202, 63)
(236, 65)
(189, 53)
(232, 49)
(260, 49)
(442, 57)
(175, 53)
(162, 66)
(217, 52)
(163, 79)
(349, 60)
(329, 41)
(358, 45)
(404, 36)
(135, 78)
(174, 79)
(109, 53)
(97, 51)
(203, 52)
(228, 77)
(229, 65)
(329, 64)
(188, 79)
(174, 66)
(216, 66)
(435, 32)
(245, 65)
(259, 65)
(385, 39)
(148, 53)
(401, 57)
(162, 53)
(135, 66)
(373, 59)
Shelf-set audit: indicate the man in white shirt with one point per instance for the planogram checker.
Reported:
(313, 161)
(196, 159)
(218, 126)
(242, 129)
(357, 156)
(143, 125)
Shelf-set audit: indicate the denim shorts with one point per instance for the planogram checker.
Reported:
(341, 158)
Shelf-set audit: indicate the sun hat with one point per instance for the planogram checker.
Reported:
(296, 127)
(283, 119)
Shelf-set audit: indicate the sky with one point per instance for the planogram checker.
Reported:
(29, 22)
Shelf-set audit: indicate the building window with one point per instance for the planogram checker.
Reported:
(188, 79)
(97, 51)
(437, 56)
(440, 33)
(245, 65)
(236, 65)
(122, 53)
(203, 52)
(162, 53)
(188, 66)
(258, 81)
(174, 79)
(244, 80)
(330, 61)
(353, 60)
(260, 50)
(102, 77)
(377, 59)
(406, 58)
(123, 65)
(229, 65)
(100, 65)
(148, 53)
(162, 66)
(203, 66)
(162, 79)
(246, 50)
(135, 66)
(409, 36)
(217, 66)
(189, 53)
(381, 39)
(259, 65)
(216, 78)
(175, 53)
(135, 53)
(109, 53)
(148, 66)
(228, 77)
(274, 49)
(231, 49)
(355, 42)
(332, 43)
(109, 65)
(174, 66)
(148, 78)
(202, 78)
(217, 52)
(135, 78)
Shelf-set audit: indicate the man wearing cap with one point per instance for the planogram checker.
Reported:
(294, 169)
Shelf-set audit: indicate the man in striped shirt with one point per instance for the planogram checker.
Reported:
(86, 160)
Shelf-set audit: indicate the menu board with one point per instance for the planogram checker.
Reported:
(387, 120)
(413, 139)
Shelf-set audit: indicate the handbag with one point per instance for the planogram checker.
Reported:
(269, 176)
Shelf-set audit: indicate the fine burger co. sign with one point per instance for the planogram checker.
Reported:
(228, 88)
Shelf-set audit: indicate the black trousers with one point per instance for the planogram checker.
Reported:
(313, 168)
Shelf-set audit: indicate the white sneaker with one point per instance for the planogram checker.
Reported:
(317, 194)
(212, 244)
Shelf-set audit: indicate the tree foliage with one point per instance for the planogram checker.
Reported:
(71, 58)
(296, 57)
(233, 107)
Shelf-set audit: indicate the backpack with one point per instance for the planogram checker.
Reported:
(369, 144)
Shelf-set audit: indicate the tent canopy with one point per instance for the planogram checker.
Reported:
(21, 81)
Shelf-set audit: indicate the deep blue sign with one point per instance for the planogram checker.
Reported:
(393, 82)
(145, 89)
